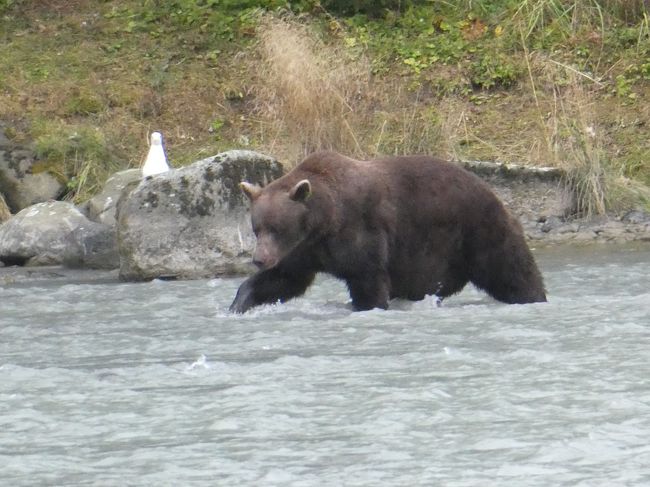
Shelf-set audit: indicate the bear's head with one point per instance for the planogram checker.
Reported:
(280, 219)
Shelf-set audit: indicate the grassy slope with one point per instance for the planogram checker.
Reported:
(87, 80)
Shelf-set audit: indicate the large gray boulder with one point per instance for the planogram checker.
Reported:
(22, 182)
(55, 233)
(101, 207)
(191, 222)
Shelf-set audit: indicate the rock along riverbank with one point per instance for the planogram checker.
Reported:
(539, 198)
(193, 222)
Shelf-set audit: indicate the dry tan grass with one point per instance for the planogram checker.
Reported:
(307, 90)
(407, 122)
(573, 138)
(311, 95)
(5, 214)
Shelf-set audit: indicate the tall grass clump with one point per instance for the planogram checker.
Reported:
(560, 16)
(78, 155)
(319, 95)
(578, 150)
(405, 122)
(308, 89)
(565, 17)
(576, 142)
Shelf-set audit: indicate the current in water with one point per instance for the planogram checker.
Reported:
(106, 383)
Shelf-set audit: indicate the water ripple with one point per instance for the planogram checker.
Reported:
(157, 384)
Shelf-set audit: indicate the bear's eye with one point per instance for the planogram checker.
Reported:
(265, 229)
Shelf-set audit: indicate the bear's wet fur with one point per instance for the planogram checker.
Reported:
(395, 227)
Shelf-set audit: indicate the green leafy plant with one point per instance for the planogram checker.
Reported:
(7, 4)
(493, 72)
(371, 8)
(215, 128)
(84, 103)
(624, 87)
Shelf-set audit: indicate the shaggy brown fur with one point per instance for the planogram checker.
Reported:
(397, 227)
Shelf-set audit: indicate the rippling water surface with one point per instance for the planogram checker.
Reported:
(105, 383)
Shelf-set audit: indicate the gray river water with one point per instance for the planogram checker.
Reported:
(105, 383)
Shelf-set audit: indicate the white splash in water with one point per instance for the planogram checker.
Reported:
(201, 362)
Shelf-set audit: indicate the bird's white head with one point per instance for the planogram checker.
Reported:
(156, 138)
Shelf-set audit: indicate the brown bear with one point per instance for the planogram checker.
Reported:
(396, 227)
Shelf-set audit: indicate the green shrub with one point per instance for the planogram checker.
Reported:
(494, 72)
(84, 104)
(371, 8)
(6, 5)
(78, 155)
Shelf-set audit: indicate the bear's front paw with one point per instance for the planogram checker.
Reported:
(244, 300)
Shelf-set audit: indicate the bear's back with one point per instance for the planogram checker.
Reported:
(436, 191)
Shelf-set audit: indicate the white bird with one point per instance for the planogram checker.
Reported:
(156, 161)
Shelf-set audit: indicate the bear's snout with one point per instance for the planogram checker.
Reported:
(262, 258)
(264, 264)
(259, 263)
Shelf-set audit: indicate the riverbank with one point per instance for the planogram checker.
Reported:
(85, 82)
(13, 276)
(632, 228)
(57, 232)
(540, 198)
(560, 250)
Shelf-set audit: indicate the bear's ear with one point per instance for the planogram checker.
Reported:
(252, 191)
(301, 191)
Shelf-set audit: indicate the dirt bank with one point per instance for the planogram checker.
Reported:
(538, 197)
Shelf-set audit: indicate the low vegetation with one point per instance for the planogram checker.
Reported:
(543, 82)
